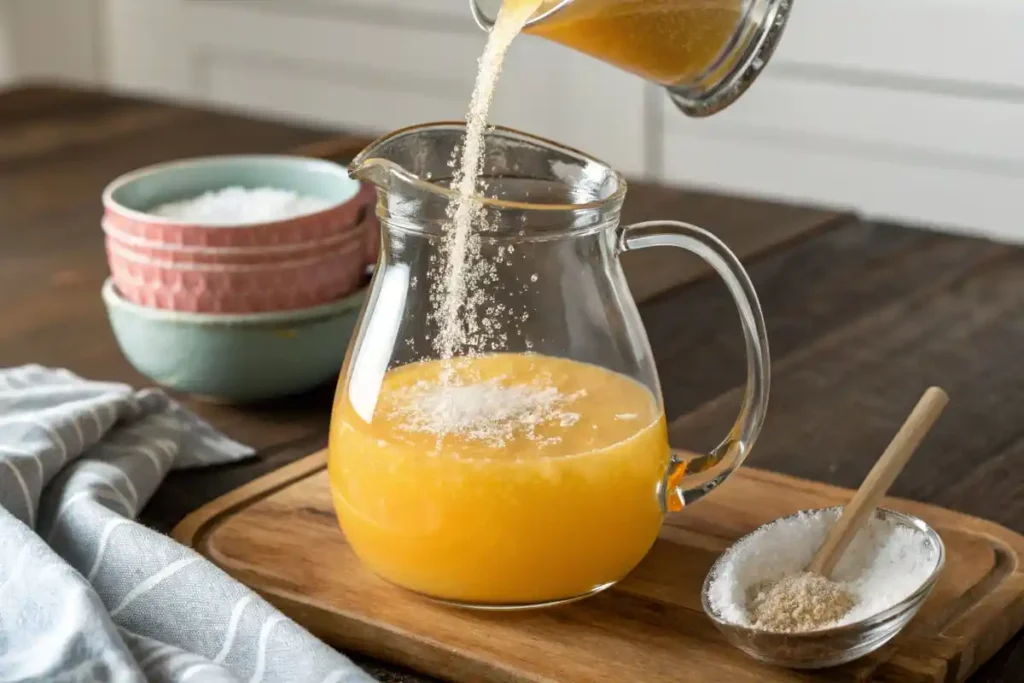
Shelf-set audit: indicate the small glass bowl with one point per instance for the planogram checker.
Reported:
(839, 644)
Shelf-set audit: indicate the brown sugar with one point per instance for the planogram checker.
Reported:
(799, 602)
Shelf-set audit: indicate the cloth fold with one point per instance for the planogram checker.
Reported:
(88, 594)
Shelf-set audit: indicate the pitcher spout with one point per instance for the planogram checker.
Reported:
(373, 170)
(411, 167)
(378, 163)
(417, 153)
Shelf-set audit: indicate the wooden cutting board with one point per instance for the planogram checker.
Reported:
(279, 535)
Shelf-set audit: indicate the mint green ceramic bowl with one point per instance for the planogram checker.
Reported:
(234, 358)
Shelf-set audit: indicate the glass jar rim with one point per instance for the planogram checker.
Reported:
(544, 11)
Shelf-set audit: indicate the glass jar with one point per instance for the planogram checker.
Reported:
(706, 53)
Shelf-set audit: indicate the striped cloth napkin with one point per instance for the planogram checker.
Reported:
(87, 594)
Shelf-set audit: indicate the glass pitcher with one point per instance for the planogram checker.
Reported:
(705, 52)
(533, 467)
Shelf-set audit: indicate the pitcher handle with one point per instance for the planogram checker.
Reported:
(689, 479)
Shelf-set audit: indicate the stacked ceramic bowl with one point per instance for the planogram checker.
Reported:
(239, 277)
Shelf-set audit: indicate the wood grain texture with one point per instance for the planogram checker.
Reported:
(861, 319)
(837, 401)
(648, 628)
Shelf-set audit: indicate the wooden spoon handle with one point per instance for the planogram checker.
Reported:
(862, 507)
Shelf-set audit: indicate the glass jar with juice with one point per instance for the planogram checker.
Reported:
(705, 52)
(533, 467)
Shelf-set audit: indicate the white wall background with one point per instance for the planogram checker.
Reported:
(903, 109)
(51, 39)
(8, 67)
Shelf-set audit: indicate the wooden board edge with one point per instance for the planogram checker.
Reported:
(198, 523)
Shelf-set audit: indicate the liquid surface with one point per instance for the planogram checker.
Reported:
(665, 41)
(524, 479)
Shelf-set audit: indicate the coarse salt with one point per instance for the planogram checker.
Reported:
(238, 205)
(885, 564)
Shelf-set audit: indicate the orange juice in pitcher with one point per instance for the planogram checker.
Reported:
(466, 487)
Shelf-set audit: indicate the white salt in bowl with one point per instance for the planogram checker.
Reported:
(882, 614)
(326, 203)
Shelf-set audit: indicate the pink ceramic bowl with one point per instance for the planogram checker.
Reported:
(127, 199)
(241, 267)
(256, 288)
(364, 234)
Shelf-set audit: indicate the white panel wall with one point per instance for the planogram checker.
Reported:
(141, 45)
(8, 67)
(369, 66)
(961, 41)
(904, 109)
(50, 40)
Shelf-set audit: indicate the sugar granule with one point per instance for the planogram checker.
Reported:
(240, 205)
(884, 564)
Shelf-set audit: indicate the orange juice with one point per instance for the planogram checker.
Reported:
(665, 41)
(511, 479)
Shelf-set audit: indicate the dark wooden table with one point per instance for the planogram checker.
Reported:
(861, 316)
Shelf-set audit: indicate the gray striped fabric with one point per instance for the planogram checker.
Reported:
(86, 594)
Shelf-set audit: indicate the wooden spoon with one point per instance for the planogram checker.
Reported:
(862, 507)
